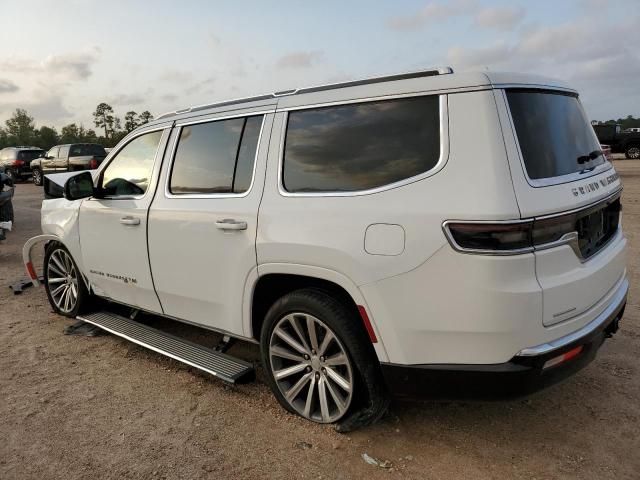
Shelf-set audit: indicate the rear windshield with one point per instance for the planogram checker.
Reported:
(29, 154)
(554, 134)
(86, 150)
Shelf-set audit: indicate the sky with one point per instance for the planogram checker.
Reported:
(59, 59)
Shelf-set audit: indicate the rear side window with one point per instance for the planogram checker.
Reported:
(85, 150)
(28, 155)
(216, 157)
(555, 136)
(361, 146)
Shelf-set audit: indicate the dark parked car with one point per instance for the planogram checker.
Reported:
(68, 158)
(14, 161)
(620, 141)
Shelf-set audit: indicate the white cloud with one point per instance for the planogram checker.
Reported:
(500, 18)
(299, 59)
(431, 13)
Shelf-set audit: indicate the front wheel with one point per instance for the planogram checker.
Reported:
(319, 362)
(66, 290)
(632, 152)
(37, 177)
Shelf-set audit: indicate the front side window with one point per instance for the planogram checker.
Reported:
(130, 171)
(216, 157)
(554, 134)
(361, 146)
(64, 152)
(53, 153)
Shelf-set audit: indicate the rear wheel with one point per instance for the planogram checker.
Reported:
(37, 176)
(9, 172)
(66, 290)
(632, 152)
(319, 362)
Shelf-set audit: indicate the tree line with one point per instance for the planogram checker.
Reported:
(20, 129)
(629, 122)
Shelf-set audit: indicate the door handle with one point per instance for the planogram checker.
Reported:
(130, 220)
(231, 224)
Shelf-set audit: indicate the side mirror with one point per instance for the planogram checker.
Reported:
(79, 186)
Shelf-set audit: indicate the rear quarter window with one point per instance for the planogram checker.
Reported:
(355, 147)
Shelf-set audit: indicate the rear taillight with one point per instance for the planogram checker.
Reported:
(509, 238)
(93, 163)
(18, 163)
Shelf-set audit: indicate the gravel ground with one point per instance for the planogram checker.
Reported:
(80, 407)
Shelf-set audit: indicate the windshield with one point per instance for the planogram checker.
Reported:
(554, 134)
(88, 149)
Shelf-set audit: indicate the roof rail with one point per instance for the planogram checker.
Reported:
(331, 86)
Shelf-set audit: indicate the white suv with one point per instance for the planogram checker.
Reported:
(368, 235)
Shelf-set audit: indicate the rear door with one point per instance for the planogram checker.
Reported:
(561, 179)
(113, 229)
(203, 221)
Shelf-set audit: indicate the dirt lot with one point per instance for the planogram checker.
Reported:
(80, 407)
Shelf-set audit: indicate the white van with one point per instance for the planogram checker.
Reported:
(365, 234)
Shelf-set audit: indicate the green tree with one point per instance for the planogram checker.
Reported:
(103, 118)
(70, 134)
(144, 117)
(20, 128)
(4, 141)
(130, 121)
(46, 137)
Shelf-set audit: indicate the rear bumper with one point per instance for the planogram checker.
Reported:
(525, 373)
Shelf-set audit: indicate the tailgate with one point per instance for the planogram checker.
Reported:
(573, 193)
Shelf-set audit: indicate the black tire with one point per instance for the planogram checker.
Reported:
(37, 176)
(84, 299)
(369, 399)
(632, 152)
(6, 212)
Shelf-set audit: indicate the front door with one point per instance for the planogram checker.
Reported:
(48, 162)
(113, 229)
(203, 221)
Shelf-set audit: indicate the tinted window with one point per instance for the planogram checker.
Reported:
(130, 171)
(205, 160)
(28, 155)
(64, 152)
(554, 134)
(87, 149)
(361, 146)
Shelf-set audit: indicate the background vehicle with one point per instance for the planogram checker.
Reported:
(6, 205)
(68, 158)
(365, 234)
(627, 142)
(14, 161)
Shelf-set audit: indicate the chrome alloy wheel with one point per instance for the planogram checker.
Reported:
(311, 368)
(62, 280)
(634, 153)
(37, 177)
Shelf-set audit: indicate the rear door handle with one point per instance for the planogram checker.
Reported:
(130, 220)
(231, 224)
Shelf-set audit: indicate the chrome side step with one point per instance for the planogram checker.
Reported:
(221, 365)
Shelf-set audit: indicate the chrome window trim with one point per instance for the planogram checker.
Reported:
(174, 147)
(561, 179)
(154, 171)
(442, 159)
(570, 238)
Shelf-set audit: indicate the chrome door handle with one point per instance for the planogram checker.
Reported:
(231, 224)
(130, 220)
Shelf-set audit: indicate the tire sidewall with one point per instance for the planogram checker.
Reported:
(338, 318)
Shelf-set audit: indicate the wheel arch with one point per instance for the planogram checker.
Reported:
(271, 281)
(27, 251)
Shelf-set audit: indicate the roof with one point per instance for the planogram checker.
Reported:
(438, 78)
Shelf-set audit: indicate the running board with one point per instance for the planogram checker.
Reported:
(223, 366)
